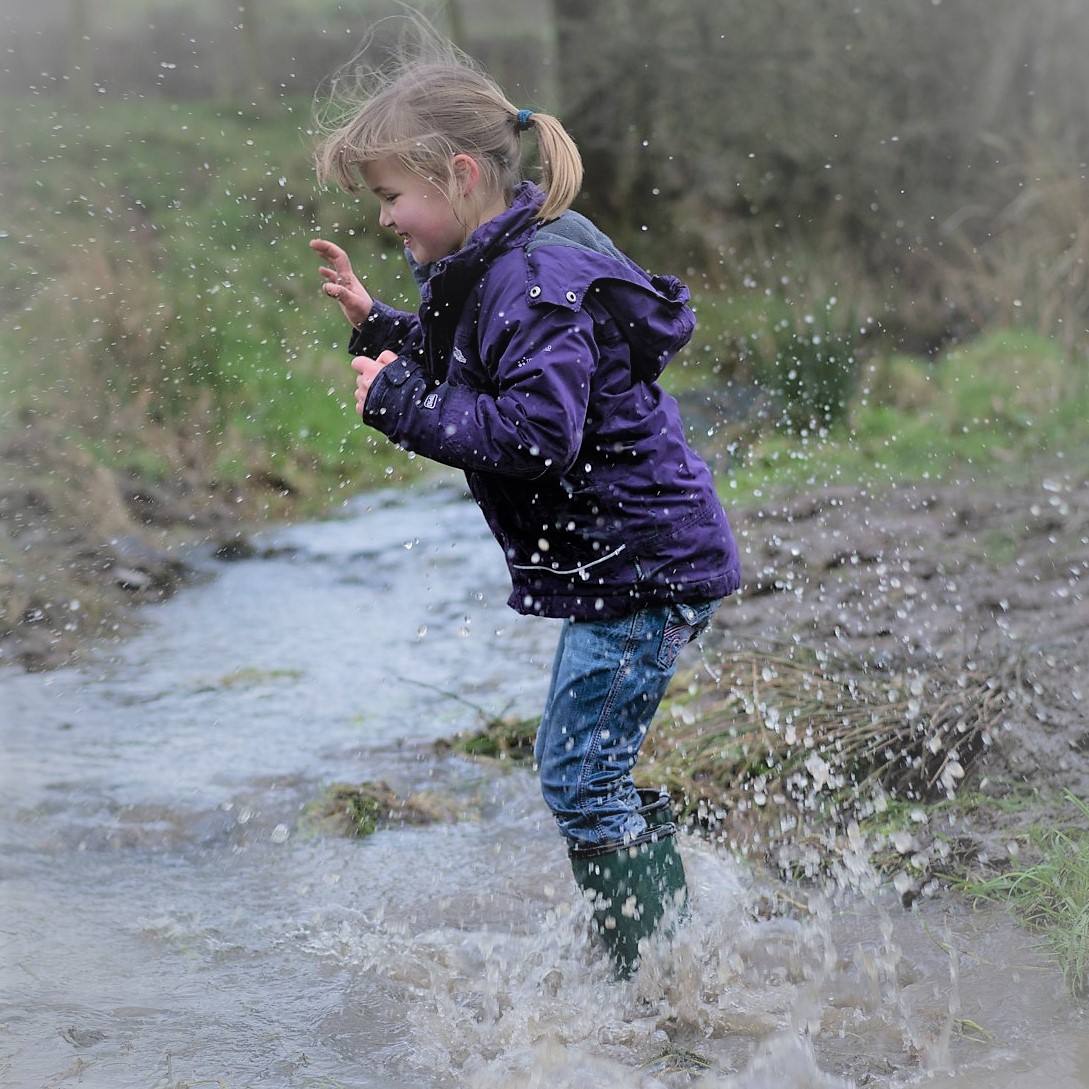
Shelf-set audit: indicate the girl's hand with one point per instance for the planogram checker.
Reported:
(367, 369)
(340, 282)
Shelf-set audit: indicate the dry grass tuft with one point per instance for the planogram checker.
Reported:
(791, 739)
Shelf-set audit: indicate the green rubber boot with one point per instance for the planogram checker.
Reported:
(654, 807)
(633, 887)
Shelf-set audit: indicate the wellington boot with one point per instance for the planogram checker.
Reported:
(654, 807)
(637, 888)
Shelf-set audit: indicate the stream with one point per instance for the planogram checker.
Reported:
(168, 917)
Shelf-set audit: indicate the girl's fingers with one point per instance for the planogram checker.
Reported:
(336, 257)
(343, 279)
(329, 250)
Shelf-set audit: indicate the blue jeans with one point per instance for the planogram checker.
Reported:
(608, 678)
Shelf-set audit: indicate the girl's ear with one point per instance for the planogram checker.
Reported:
(466, 173)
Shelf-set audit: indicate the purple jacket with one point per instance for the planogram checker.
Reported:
(532, 366)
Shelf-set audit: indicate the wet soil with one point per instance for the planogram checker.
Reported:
(987, 579)
(990, 576)
(80, 544)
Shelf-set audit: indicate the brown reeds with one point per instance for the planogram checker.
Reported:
(1025, 263)
(811, 734)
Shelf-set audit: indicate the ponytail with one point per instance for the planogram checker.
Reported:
(561, 165)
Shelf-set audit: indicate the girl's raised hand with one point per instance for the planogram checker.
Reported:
(340, 282)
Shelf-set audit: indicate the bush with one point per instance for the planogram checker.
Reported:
(807, 362)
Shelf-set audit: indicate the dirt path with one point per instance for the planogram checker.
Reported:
(940, 578)
(928, 574)
(80, 544)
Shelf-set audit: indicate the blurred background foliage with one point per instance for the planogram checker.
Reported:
(854, 190)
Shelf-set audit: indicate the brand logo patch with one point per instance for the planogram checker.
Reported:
(459, 355)
(431, 400)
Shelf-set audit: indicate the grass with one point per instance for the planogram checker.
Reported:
(499, 739)
(1051, 893)
(158, 281)
(161, 305)
(819, 738)
(987, 409)
(358, 810)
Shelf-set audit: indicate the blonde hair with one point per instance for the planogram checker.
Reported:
(428, 108)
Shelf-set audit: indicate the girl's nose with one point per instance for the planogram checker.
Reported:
(384, 218)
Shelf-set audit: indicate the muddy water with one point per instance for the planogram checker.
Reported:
(168, 920)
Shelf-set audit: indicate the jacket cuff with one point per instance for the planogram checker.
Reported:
(382, 409)
(383, 326)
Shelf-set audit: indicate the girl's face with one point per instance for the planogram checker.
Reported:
(417, 209)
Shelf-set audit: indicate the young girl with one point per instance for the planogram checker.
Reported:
(531, 364)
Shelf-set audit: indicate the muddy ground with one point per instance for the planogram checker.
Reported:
(989, 580)
(80, 544)
(990, 576)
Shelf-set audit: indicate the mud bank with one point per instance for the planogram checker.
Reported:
(80, 544)
(936, 581)
(938, 574)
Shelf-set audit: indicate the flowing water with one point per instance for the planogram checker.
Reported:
(167, 919)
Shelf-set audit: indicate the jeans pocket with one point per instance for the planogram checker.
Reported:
(683, 623)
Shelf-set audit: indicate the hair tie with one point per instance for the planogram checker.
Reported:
(522, 123)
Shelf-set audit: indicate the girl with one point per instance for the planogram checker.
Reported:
(532, 365)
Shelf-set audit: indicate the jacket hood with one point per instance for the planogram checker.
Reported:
(570, 257)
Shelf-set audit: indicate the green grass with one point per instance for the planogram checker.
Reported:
(157, 278)
(1051, 894)
(989, 409)
(161, 306)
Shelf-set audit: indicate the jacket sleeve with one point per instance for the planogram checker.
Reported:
(385, 328)
(540, 362)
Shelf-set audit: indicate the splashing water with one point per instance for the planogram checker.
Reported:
(167, 917)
